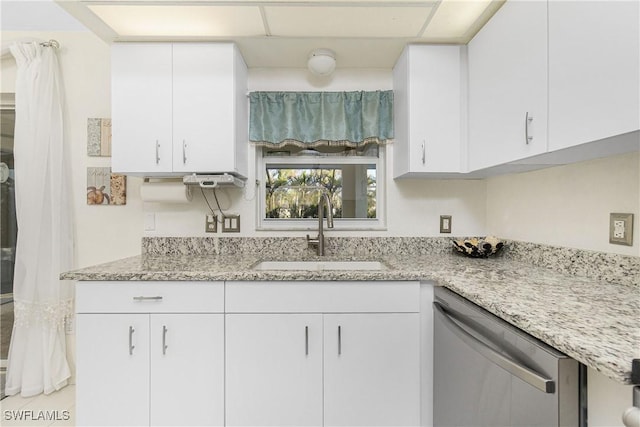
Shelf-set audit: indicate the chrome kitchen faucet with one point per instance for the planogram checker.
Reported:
(318, 242)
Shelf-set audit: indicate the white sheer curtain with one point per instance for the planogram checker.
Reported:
(37, 354)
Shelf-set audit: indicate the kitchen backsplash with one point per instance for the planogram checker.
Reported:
(600, 266)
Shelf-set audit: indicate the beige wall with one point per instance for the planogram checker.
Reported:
(103, 233)
(567, 205)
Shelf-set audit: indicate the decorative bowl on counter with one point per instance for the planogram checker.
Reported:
(478, 248)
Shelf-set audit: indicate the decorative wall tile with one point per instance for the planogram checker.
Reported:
(99, 137)
(105, 188)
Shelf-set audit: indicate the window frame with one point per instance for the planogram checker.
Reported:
(308, 224)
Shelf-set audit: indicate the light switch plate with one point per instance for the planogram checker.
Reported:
(621, 229)
(231, 224)
(149, 221)
(445, 223)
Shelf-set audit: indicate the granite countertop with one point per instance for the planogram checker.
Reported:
(592, 321)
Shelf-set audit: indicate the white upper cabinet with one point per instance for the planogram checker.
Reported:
(508, 86)
(179, 108)
(141, 108)
(594, 70)
(428, 105)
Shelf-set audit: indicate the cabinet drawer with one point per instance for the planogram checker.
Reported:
(322, 297)
(150, 297)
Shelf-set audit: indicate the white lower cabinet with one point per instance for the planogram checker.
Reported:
(187, 370)
(274, 370)
(322, 366)
(371, 369)
(112, 378)
(151, 367)
(283, 354)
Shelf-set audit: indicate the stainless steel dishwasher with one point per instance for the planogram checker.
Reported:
(489, 373)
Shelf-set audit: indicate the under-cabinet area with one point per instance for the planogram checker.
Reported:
(252, 353)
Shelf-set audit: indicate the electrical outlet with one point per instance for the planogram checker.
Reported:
(621, 229)
(211, 223)
(445, 223)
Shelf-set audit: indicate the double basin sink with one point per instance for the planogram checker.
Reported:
(316, 265)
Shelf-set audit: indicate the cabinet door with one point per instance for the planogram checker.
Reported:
(427, 105)
(273, 369)
(141, 107)
(507, 84)
(203, 107)
(113, 369)
(435, 98)
(372, 370)
(187, 369)
(594, 69)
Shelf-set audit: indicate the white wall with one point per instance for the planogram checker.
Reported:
(103, 233)
(567, 205)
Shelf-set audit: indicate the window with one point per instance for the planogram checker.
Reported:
(292, 179)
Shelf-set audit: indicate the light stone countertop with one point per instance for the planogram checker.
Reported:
(596, 323)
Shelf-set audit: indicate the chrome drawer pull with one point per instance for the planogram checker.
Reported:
(164, 339)
(157, 152)
(141, 298)
(527, 120)
(339, 340)
(184, 151)
(306, 340)
(131, 346)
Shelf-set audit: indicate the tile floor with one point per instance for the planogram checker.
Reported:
(60, 403)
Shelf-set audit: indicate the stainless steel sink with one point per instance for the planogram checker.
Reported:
(321, 265)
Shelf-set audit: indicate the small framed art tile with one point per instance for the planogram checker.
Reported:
(99, 137)
(106, 188)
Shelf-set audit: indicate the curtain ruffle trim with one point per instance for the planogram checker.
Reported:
(322, 143)
(51, 315)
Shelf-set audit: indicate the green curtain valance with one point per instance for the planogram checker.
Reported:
(311, 119)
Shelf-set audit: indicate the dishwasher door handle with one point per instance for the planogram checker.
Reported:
(527, 375)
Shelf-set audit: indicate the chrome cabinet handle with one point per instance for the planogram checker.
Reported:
(306, 340)
(527, 120)
(424, 152)
(339, 340)
(184, 152)
(164, 339)
(527, 375)
(157, 152)
(131, 346)
(142, 298)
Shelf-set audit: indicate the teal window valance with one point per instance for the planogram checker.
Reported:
(312, 119)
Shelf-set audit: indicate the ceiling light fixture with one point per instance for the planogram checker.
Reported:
(322, 62)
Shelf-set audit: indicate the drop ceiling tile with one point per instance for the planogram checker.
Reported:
(346, 21)
(171, 20)
(454, 18)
